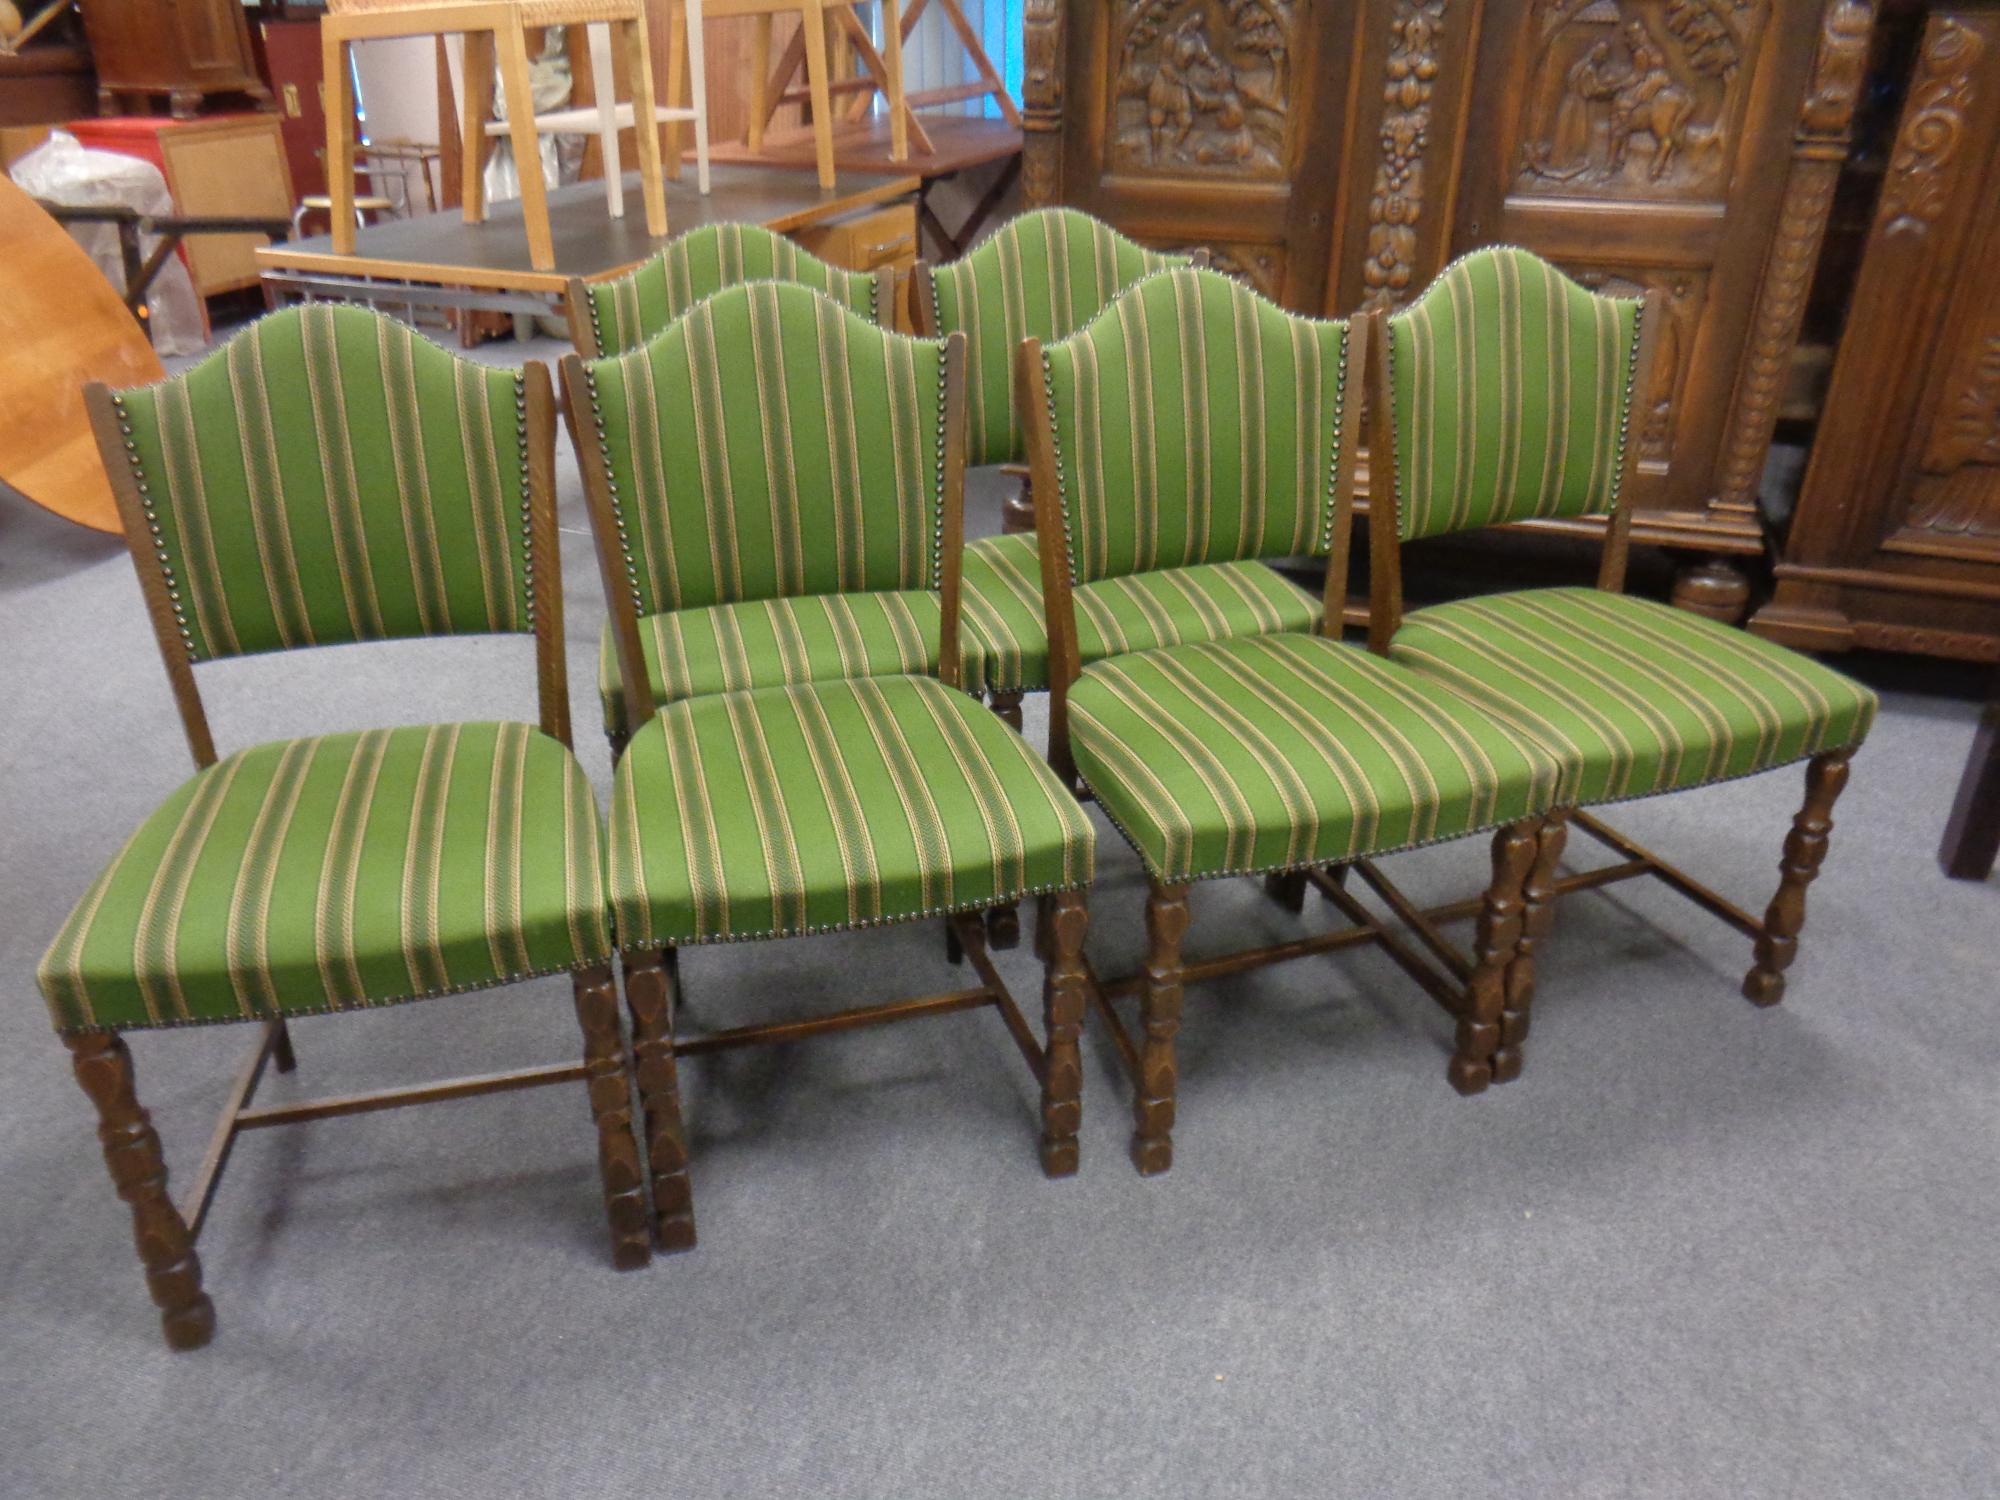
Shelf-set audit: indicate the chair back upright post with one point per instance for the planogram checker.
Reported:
(1361, 333)
(951, 670)
(1385, 537)
(1031, 392)
(544, 553)
(1618, 535)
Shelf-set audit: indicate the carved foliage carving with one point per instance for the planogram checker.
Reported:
(1636, 99)
(1673, 341)
(1201, 87)
(1042, 65)
(1921, 167)
(1837, 72)
(1398, 198)
(1970, 430)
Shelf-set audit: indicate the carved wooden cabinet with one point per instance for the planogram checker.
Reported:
(1339, 152)
(185, 49)
(1896, 539)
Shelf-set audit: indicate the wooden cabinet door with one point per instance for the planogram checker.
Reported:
(1640, 144)
(1896, 540)
(1207, 122)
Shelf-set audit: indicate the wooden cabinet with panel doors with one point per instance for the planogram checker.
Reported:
(1339, 153)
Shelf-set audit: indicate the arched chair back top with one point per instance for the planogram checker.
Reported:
(328, 476)
(1511, 395)
(769, 444)
(1042, 275)
(617, 316)
(1195, 422)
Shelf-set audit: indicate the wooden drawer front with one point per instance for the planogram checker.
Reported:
(866, 242)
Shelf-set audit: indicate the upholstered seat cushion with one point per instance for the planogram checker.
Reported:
(729, 648)
(1271, 752)
(1646, 697)
(1005, 625)
(827, 805)
(342, 871)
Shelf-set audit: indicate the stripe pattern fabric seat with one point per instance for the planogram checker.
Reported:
(830, 805)
(1648, 698)
(627, 311)
(730, 648)
(340, 872)
(1006, 627)
(1278, 752)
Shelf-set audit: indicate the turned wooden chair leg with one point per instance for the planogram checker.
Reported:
(1064, 994)
(103, 1066)
(1003, 927)
(1538, 912)
(1006, 702)
(1805, 848)
(1493, 948)
(650, 984)
(1288, 889)
(611, 1104)
(1160, 1016)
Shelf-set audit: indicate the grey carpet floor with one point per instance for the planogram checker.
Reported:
(1697, 1250)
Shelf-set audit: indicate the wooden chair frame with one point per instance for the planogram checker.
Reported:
(492, 29)
(652, 977)
(166, 1233)
(1776, 936)
(808, 49)
(1475, 989)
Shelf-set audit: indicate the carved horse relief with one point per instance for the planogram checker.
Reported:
(1200, 87)
(1636, 99)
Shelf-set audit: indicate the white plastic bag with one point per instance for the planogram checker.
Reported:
(63, 170)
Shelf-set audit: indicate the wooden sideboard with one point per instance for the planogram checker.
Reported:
(1896, 539)
(1339, 153)
(185, 49)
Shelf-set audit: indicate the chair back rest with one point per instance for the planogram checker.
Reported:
(1510, 395)
(771, 444)
(627, 311)
(1195, 422)
(331, 476)
(1042, 275)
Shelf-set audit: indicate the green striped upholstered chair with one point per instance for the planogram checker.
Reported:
(1045, 275)
(768, 455)
(1192, 423)
(331, 477)
(618, 315)
(1506, 393)
(615, 317)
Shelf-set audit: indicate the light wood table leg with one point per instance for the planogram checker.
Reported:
(813, 18)
(677, 73)
(645, 117)
(760, 83)
(475, 107)
(520, 98)
(339, 135)
(892, 50)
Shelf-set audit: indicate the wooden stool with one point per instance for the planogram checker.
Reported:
(605, 117)
(491, 28)
(809, 46)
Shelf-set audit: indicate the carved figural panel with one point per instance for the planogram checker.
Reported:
(1673, 343)
(1636, 99)
(1201, 88)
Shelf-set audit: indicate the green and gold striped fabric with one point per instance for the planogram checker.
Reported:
(629, 310)
(330, 476)
(828, 805)
(1195, 423)
(1042, 275)
(1006, 632)
(338, 872)
(1647, 698)
(775, 643)
(771, 444)
(1279, 751)
(1511, 390)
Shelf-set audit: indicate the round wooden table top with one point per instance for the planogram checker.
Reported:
(61, 326)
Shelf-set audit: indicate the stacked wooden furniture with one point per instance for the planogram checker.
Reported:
(1339, 154)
